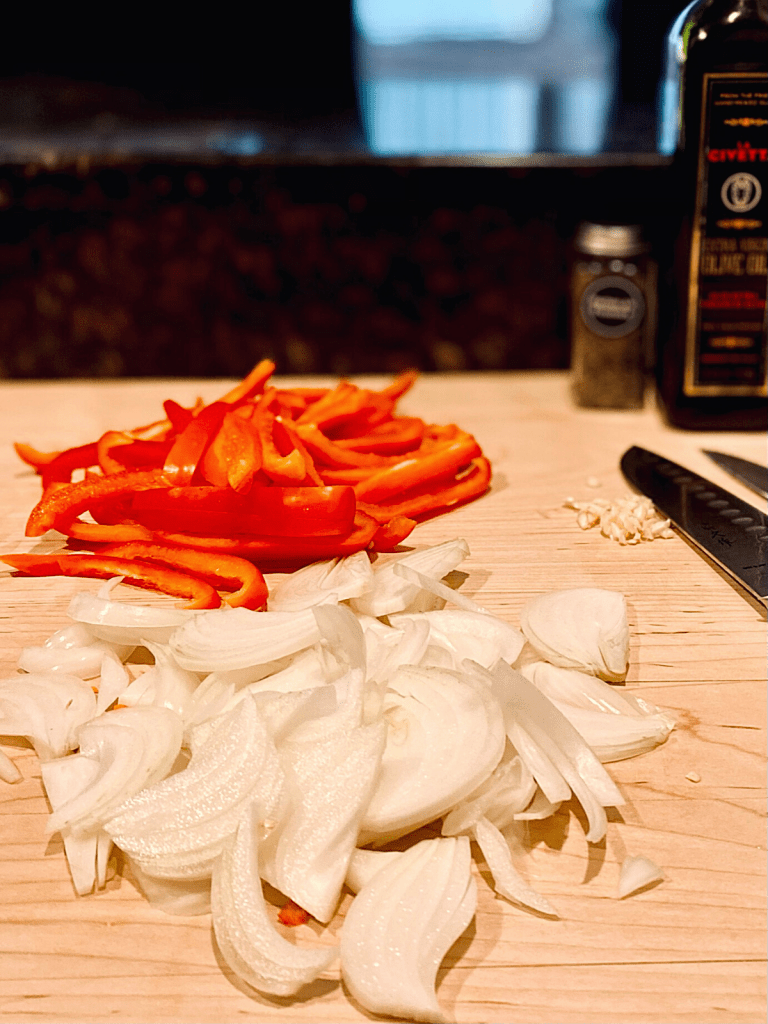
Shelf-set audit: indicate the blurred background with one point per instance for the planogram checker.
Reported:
(352, 186)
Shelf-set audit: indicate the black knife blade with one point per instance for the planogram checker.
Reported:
(752, 474)
(732, 532)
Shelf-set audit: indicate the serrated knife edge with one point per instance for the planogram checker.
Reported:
(732, 532)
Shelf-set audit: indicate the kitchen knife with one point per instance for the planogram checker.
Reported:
(731, 531)
(750, 473)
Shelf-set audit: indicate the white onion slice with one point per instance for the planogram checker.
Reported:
(391, 593)
(476, 635)
(552, 784)
(75, 635)
(438, 588)
(87, 853)
(9, 771)
(123, 622)
(402, 923)
(46, 709)
(133, 748)
(637, 873)
(446, 735)
(231, 638)
(285, 712)
(246, 937)
(182, 897)
(331, 770)
(114, 678)
(83, 661)
(538, 809)
(343, 633)
(507, 881)
(364, 864)
(508, 789)
(165, 684)
(338, 579)
(617, 737)
(177, 827)
(584, 628)
(406, 645)
(581, 689)
(562, 744)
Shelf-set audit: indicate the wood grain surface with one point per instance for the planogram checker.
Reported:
(691, 949)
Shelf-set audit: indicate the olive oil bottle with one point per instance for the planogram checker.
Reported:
(712, 359)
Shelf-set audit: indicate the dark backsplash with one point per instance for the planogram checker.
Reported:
(194, 270)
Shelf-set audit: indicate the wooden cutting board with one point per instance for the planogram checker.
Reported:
(691, 949)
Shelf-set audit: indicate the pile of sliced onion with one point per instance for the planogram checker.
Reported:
(288, 746)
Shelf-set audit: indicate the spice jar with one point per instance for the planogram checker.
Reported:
(612, 285)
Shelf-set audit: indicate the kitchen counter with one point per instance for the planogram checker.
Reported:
(691, 949)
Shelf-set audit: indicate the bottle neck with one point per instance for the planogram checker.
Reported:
(708, 35)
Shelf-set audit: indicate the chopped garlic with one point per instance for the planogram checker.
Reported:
(628, 520)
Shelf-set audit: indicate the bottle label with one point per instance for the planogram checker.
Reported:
(726, 337)
(612, 307)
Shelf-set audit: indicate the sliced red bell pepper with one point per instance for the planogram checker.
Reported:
(393, 437)
(348, 475)
(102, 533)
(60, 468)
(220, 570)
(197, 592)
(402, 383)
(291, 914)
(189, 446)
(345, 401)
(118, 450)
(66, 501)
(273, 511)
(34, 458)
(418, 470)
(234, 455)
(283, 467)
(252, 384)
(424, 503)
(283, 551)
(329, 453)
(392, 533)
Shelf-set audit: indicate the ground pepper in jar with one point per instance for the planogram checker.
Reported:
(612, 313)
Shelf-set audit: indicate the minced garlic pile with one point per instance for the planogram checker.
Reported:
(627, 520)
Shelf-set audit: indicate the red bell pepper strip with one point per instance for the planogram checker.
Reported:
(219, 569)
(58, 467)
(426, 503)
(234, 455)
(329, 453)
(394, 437)
(274, 511)
(188, 448)
(281, 467)
(252, 384)
(198, 593)
(66, 501)
(118, 450)
(336, 406)
(289, 427)
(283, 551)
(418, 470)
(402, 383)
(102, 533)
(349, 475)
(34, 458)
(393, 532)
(291, 914)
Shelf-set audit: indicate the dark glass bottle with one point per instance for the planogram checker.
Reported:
(711, 356)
